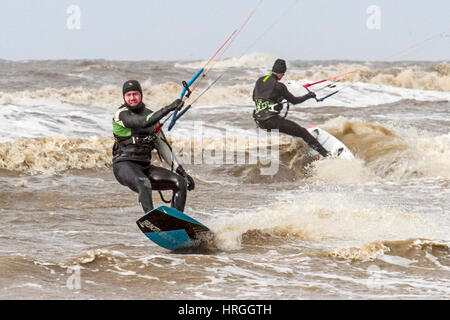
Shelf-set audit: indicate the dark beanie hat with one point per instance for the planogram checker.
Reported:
(279, 66)
(131, 85)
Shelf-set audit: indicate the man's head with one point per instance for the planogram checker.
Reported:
(279, 68)
(132, 93)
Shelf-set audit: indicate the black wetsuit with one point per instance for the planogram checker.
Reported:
(267, 95)
(137, 133)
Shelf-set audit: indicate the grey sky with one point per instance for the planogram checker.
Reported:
(188, 30)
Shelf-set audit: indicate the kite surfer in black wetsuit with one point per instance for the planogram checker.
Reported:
(137, 132)
(268, 95)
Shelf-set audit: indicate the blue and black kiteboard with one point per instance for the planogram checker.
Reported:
(172, 229)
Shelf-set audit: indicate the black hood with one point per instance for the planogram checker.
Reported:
(131, 85)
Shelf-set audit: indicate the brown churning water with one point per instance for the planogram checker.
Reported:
(375, 227)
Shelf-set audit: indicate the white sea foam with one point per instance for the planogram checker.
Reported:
(365, 94)
(325, 216)
(252, 60)
(30, 117)
(41, 118)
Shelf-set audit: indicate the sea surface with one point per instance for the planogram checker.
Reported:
(374, 227)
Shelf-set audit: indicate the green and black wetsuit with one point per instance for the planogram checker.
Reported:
(267, 95)
(137, 133)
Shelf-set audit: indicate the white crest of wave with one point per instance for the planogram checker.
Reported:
(251, 60)
(340, 171)
(428, 155)
(324, 216)
(395, 154)
(422, 155)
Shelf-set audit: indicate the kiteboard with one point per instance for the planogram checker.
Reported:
(173, 230)
(330, 143)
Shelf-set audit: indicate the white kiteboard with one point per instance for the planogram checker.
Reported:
(330, 143)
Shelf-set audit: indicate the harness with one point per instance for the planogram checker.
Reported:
(137, 140)
(136, 147)
(261, 105)
(264, 110)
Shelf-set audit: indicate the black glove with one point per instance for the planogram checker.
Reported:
(161, 113)
(189, 180)
(311, 95)
(178, 103)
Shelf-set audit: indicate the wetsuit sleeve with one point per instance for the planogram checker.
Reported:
(130, 120)
(133, 121)
(154, 118)
(165, 151)
(284, 92)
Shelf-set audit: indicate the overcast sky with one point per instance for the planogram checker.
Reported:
(194, 29)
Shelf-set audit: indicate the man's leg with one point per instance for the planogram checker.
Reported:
(132, 175)
(291, 128)
(163, 179)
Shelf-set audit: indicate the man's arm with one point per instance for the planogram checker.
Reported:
(129, 119)
(132, 120)
(290, 97)
(161, 113)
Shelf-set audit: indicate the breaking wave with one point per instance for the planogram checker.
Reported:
(238, 89)
(380, 154)
(325, 216)
(54, 154)
(436, 77)
(252, 60)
